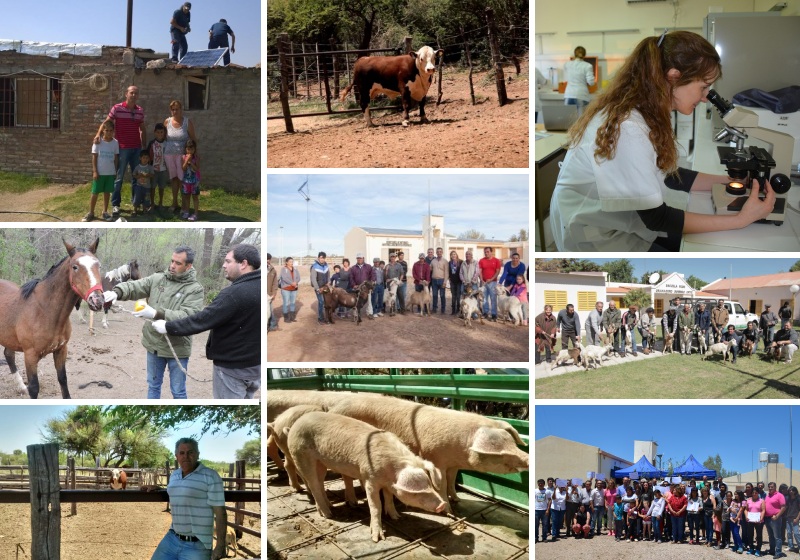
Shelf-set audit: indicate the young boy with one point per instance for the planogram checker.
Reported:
(160, 173)
(142, 175)
(105, 161)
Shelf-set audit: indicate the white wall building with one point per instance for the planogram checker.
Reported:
(564, 458)
(647, 448)
(581, 289)
(753, 292)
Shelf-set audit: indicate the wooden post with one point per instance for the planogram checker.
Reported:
(293, 79)
(231, 474)
(502, 97)
(305, 72)
(167, 462)
(319, 79)
(469, 62)
(238, 517)
(441, 63)
(347, 61)
(73, 507)
(407, 43)
(45, 502)
(325, 79)
(335, 70)
(284, 93)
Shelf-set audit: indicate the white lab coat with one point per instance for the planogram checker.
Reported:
(579, 76)
(594, 205)
(540, 81)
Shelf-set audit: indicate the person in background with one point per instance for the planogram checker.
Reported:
(379, 277)
(579, 75)
(456, 284)
(272, 289)
(289, 283)
(179, 28)
(218, 39)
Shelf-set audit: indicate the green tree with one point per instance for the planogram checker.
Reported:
(472, 234)
(522, 236)
(795, 267)
(715, 463)
(566, 265)
(639, 298)
(620, 270)
(215, 418)
(696, 282)
(250, 452)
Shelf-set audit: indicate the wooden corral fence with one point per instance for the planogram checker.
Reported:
(40, 484)
(300, 71)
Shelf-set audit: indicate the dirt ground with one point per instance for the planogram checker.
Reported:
(139, 529)
(114, 355)
(22, 204)
(402, 338)
(460, 134)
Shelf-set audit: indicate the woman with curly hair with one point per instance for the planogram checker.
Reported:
(620, 187)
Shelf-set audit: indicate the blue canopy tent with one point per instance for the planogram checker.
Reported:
(643, 468)
(692, 469)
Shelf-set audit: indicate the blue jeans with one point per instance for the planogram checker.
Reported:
(172, 548)
(221, 42)
(140, 194)
(128, 157)
(656, 528)
(273, 320)
(401, 295)
(792, 534)
(438, 292)
(377, 300)
(155, 376)
(678, 528)
(288, 297)
(598, 513)
(556, 519)
(709, 528)
(489, 295)
(179, 44)
(774, 534)
(769, 335)
(737, 540)
(539, 518)
(320, 307)
(633, 339)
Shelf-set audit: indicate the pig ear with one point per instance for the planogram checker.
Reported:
(410, 479)
(270, 430)
(434, 474)
(514, 433)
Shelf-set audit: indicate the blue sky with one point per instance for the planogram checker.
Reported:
(496, 205)
(102, 22)
(737, 433)
(22, 427)
(708, 269)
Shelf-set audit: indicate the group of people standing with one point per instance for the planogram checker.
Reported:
(646, 510)
(431, 270)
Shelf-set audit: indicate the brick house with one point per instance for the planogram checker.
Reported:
(51, 108)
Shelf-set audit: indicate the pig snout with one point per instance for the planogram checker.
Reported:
(414, 488)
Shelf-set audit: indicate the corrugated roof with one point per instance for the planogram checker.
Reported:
(385, 231)
(765, 281)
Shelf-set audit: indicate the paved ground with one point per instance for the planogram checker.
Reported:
(544, 370)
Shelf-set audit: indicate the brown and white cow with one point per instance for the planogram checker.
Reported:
(409, 76)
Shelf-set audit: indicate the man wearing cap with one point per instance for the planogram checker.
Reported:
(439, 275)
(394, 270)
(419, 272)
(179, 27)
(401, 290)
(719, 319)
(218, 39)
(702, 318)
(767, 323)
(320, 275)
(359, 274)
(379, 277)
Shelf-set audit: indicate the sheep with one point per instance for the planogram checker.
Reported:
(719, 348)
(471, 303)
(686, 340)
(508, 306)
(422, 299)
(595, 354)
(701, 341)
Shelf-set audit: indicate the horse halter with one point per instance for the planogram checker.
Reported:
(95, 288)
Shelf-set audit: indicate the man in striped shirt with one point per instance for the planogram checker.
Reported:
(197, 500)
(131, 134)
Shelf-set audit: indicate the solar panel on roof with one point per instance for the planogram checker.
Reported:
(203, 59)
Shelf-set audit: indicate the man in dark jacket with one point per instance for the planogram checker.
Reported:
(320, 275)
(234, 318)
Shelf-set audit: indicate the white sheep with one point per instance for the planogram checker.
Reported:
(595, 354)
(719, 348)
(471, 304)
(508, 306)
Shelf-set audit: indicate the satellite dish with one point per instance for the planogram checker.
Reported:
(654, 278)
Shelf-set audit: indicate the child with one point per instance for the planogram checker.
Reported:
(655, 512)
(619, 518)
(633, 517)
(142, 177)
(647, 521)
(191, 181)
(520, 291)
(105, 161)
(160, 172)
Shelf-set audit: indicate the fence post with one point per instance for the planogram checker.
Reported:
(231, 473)
(305, 72)
(441, 63)
(284, 93)
(45, 502)
(325, 79)
(293, 81)
(319, 79)
(335, 70)
(238, 517)
(347, 62)
(407, 44)
(499, 79)
(73, 507)
(469, 62)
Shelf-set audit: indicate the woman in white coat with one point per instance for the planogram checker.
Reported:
(620, 187)
(579, 75)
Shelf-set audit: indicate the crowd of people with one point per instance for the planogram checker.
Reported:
(432, 271)
(696, 512)
(620, 329)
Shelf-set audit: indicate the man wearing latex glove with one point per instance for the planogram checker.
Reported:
(172, 294)
(234, 318)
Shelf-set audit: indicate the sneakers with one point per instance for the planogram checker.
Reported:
(107, 217)
(184, 215)
(88, 217)
(193, 218)
(115, 210)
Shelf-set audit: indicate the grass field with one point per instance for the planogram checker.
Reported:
(16, 183)
(673, 376)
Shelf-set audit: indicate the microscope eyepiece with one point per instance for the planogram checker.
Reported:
(722, 105)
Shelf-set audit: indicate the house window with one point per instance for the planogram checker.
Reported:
(659, 308)
(30, 102)
(586, 301)
(556, 298)
(197, 93)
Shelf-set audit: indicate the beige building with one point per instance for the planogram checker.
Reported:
(771, 472)
(562, 458)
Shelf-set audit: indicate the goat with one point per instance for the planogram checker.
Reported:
(119, 480)
(595, 354)
(335, 297)
(422, 299)
(471, 303)
(701, 341)
(686, 340)
(391, 296)
(508, 307)
(719, 348)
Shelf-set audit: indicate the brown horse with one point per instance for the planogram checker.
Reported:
(34, 319)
